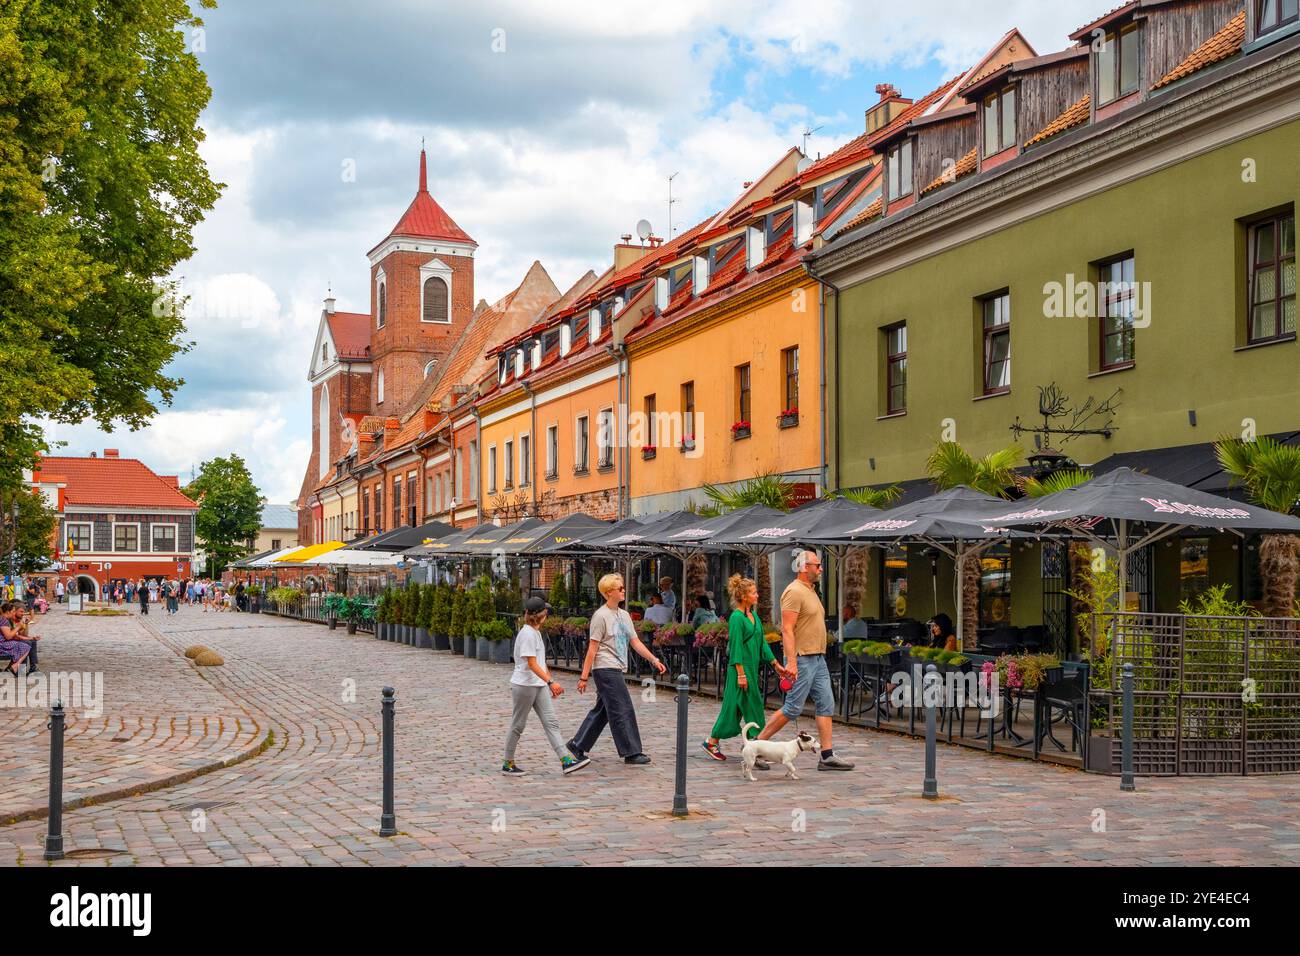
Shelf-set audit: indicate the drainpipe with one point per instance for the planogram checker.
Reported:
(823, 285)
(532, 441)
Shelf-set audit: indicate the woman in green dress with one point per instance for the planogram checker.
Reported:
(747, 651)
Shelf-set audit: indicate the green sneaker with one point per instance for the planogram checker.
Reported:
(568, 764)
(510, 769)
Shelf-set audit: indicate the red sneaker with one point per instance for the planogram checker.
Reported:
(713, 751)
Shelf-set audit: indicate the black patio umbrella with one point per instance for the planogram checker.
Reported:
(1122, 498)
(446, 546)
(648, 528)
(931, 521)
(500, 537)
(399, 539)
(569, 532)
(591, 543)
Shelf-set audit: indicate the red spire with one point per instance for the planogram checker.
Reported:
(424, 218)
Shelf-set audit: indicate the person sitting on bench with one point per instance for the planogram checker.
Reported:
(11, 646)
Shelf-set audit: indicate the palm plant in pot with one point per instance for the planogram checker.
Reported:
(440, 617)
(456, 622)
(333, 606)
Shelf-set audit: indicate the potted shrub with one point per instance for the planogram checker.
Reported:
(423, 638)
(254, 592)
(381, 615)
(440, 617)
(558, 597)
(483, 648)
(456, 622)
(334, 607)
(499, 641)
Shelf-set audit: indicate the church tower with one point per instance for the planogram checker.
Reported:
(421, 298)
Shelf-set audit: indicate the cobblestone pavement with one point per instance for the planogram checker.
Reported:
(313, 797)
(153, 719)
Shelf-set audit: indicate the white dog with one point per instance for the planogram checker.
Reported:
(775, 751)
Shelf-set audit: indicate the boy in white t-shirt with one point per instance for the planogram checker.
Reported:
(531, 689)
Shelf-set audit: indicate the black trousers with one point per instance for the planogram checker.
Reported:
(613, 707)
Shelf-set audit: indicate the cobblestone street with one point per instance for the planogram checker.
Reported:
(312, 797)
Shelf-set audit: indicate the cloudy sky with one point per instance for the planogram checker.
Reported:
(551, 129)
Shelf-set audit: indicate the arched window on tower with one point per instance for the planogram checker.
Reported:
(435, 300)
(323, 430)
(383, 305)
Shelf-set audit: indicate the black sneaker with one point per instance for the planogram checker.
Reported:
(577, 754)
(638, 759)
(510, 769)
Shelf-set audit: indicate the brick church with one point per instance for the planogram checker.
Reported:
(393, 439)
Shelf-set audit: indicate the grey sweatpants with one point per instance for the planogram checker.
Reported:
(528, 699)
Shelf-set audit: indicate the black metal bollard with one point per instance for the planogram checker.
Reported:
(930, 786)
(54, 834)
(683, 701)
(388, 821)
(1126, 753)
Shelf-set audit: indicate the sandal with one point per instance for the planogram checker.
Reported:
(713, 750)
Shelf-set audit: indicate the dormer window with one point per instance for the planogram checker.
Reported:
(1274, 14)
(1000, 121)
(1117, 64)
(899, 170)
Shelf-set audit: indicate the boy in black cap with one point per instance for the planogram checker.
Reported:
(532, 689)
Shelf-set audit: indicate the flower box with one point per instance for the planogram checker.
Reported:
(740, 430)
(648, 452)
(688, 444)
(788, 418)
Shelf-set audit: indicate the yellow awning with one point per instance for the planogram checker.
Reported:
(310, 551)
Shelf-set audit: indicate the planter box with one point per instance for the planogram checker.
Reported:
(688, 444)
(738, 433)
(1099, 754)
(648, 453)
(457, 644)
(352, 627)
(484, 649)
(500, 652)
(787, 421)
(423, 638)
(333, 623)
(441, 642)
(471, 647)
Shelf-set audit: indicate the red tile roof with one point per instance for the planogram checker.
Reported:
(127, 482)
(1074, 115)
(351, 333)
(1217, 48)
(965, 166)
(424, 218)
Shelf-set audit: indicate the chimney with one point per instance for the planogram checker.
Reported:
(887, 110)
(365, 445)
(329, 304)
(625, 253)
(391, 427)
(110, 453)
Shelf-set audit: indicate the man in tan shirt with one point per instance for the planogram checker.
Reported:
(803, 635)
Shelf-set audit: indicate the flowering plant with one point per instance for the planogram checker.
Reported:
(647, 448)
(789, 413)
(740, 426)
(713, 634)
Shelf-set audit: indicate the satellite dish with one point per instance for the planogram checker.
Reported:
(804, 163)
(644, 230)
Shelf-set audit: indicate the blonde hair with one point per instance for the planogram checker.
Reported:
(738, 587)
(534, 618)
(608, 583)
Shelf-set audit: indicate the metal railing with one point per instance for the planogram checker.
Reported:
(1212, 695)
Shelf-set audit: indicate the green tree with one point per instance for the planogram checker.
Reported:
(101, 185)
(457, 625)
(30, 541)
(230, 510)
(1270, 471)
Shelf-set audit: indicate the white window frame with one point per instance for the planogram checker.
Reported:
(79, 524)
(492, 470)
(508, 464)
(553, 450)
(176, 537)
(123, 524)
(473, 447)
(600, 430)
(435, 269)
(577, 449)
(525, 463)
(381, 313)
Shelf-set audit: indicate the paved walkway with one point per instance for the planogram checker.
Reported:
(313, 797)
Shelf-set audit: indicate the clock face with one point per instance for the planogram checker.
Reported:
(349, 432)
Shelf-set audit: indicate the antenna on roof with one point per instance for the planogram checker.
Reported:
(644, 230)
(671, 200)
(806, 134)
